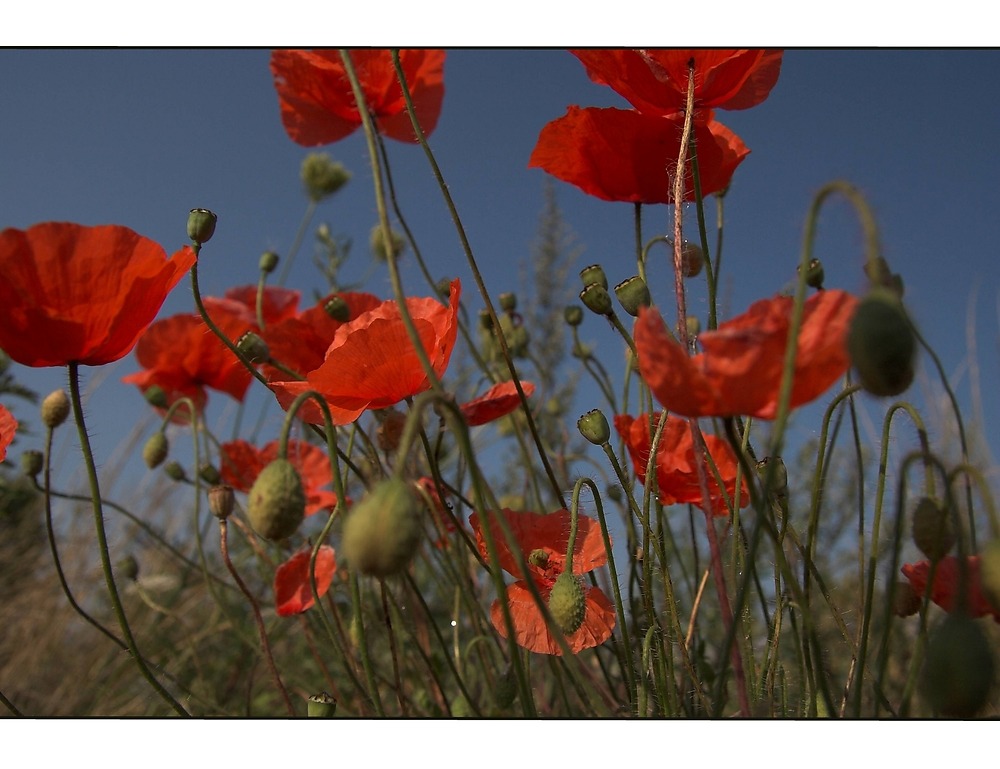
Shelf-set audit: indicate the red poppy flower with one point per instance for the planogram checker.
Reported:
(656, 80)
(277, 303)
(543, 539)
(8, 426)
(626, 155)
(944, 591)
(676, 468)
(301, 342)
(76, 294)
(317, 102)
(182, 356)
(501, 399)
(740, 370)
(292, 590)
(371, 363)
(241, 463)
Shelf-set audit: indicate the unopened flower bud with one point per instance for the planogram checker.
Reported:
(276, 504)
(505, 690)
(175, 471)
(209, 474)
(615, 493)
(253, 348)
(508, 301)
(881, 276)
(380, 250)
(155, 450)
(128, 567)
(336, 307)
(905, 600)
(594, 274)
(156, 396)
(321, 705)
(568, 603)
(390, 431)
(959, 667)
(692, 259)
(573, 315)
(221, 500)
(268, 262)
(201, 225)
(815, 274)
(32, 462)
(382, 532)
(594, 427)
(633, 294)
(933, 531)
(597, 299)
(882, 345)
(322, 176)
(989, 571)
(55, 409)
(779, 477)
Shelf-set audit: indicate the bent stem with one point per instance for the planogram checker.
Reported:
(102, 541)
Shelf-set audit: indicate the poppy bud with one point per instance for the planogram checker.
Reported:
(155, 396)
(959, 667)
(508, 301)
(615, 493)
(253, 348)
(505, 689)
(155, 450)
(633, 294)
(568, 603)
(175, 471)
(597, 299)
(517, 341)
(882, 344)
(382, 532)
(573, 315)
(692, 259)
(277, 502)
(594, 427)
(933, 531)
(594, 274)
(221, 501)
(322, 176)
(814, 274)
(905, 601)
(209, 474)
(989, 571)
(268, 262)
(55, 409)
(538, 557)
(380, 250)
(390, 431)
(881, 276)
(32, 462)
(128, 567)
(201, 225)
(336, 307)
(779, 484)
(693, 326)
(321, 705)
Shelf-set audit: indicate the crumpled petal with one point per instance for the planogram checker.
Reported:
(292, 589)
(500, 400)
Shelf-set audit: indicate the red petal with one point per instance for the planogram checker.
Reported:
(946, 580)
(292, 589)
(8, 426)
(501, 399)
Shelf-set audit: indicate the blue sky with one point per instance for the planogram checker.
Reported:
(138, 137)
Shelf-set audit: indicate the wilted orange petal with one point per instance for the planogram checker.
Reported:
(500, 400)
(531, 632)
(292, 589)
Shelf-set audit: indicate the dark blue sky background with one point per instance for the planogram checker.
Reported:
(138, 137)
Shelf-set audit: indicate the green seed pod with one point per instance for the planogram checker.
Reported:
(155, 450)
(933, 531)
(322, 176)
(156, 397)
(253, 348)
(568, 603)
(594, 274)
(221, 501)
(128, 567)
(815, 274)
(336, 307)
(959, 668)
(55, 409)
(692, 259)
(378, 245)
(597, 299)
(693, 326)
(277, 502)
(175, 471)
(573, 315)
(508, 301)
(201, 225)
(321, 705)
(633, 294)
(505, 690)
(382, 532)
(32, 462)
(594, 427)
(882, 344)
(268, 262)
